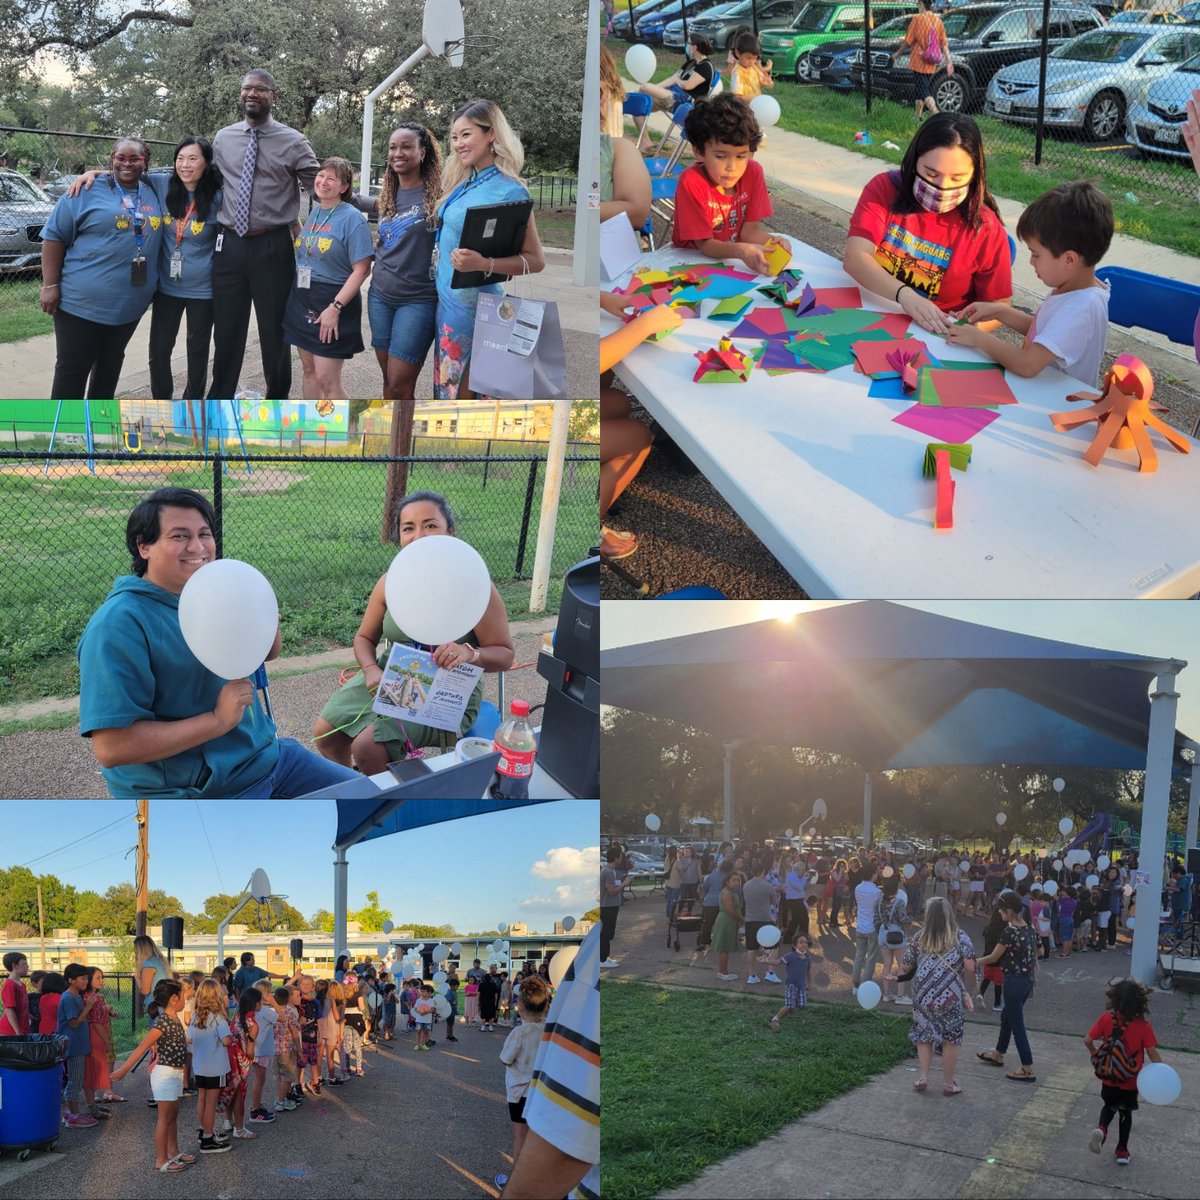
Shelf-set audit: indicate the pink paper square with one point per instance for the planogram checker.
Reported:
(952, 425)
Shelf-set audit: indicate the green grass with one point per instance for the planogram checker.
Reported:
(691, 1076)
(1165, 211)
(60, 720)
(21, 315)
(556, 227)
(312, 527)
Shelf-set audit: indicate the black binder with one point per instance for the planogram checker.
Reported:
(495, 231)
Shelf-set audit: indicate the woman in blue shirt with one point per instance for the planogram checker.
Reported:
(193, 200)
(100, 255)
(334, 253)
(484, 168)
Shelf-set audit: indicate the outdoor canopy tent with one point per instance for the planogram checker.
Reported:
(359, 820)
(890, 687)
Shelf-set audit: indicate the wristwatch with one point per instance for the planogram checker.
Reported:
(474, 654)
(337, 304)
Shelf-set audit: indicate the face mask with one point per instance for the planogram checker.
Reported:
(936, 199)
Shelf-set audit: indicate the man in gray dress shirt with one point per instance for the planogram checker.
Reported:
(263, 163)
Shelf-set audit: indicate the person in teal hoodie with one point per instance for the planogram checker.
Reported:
(161, 724)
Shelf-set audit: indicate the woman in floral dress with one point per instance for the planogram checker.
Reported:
(936, 960)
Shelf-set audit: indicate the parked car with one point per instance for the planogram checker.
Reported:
(1093, 81)
(1155, 125)
(1145, 16)
(820, 22)
(982, 39)
(643, 864)
(831, 64)
(24, 210)
(650, 27)
(1190, 12)
(720, 23)
(621, 20)
(672, 38)
(57, 185)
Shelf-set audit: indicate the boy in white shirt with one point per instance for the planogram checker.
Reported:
(518, 1053)
(423, 1015)
(1068, 231)
(264, 1053)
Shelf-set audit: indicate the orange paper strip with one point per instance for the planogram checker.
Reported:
(944, 513)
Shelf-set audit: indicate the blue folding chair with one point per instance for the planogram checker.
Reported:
(662, 204)
(1012, 248)
(639, 106)
(487, 721)
(659, 164)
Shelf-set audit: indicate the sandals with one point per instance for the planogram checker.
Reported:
(919, 1085)
(174, 1164)
(1024, 1075)
(615, 545)
(991, 1058)
(951, 1089)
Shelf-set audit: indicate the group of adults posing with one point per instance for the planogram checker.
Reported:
(220, 233)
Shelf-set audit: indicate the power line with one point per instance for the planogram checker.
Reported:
(68, 845)
(114, 854)
(216, 865)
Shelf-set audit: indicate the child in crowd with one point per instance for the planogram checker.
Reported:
(50, 988)
(243, 1032)
(452, 1000)
(506, 999)
(389, 1012)
(208, 1037)
(517, 1055)
(423, 1014)
(1119, 1043)
(1066, 921)
(194, 980)
(310, 1016)
(14, 1019)
(354, 1027)
(166, 1036)
(472, 994)
(287, 1050)
(334, 1020)
(1084, 908)
(267, 1017)
(35, 999)
(721, 201)
(72, 1023)
(749, 75)
(693, 81)
(795, 980)
(96, 1081)
(321, 991)
(1039, 918)
(993, 973)
(1068, 231)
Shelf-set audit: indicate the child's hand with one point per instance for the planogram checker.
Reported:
(120, 1072)
(614, 304)
(968, 1003)
(981, 310)
(90, 1001)
(661, 318)
(965, 335)
(753, 257)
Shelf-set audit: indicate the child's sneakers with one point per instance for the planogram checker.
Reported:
(771, 977)
(287, 1104)
(1122, 1156)
(260, 1116)
(212, 1146)
(1098, 1138)
(501, 1181)
(752, 979)
(79, 1121)
(244, 1133)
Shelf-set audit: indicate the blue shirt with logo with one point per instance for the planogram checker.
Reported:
(199, 236)
(98, 229)
(331, 241)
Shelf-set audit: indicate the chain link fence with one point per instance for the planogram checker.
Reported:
(313, 525)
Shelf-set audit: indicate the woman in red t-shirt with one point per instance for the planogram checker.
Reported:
(929, 236)
(1128, 1004)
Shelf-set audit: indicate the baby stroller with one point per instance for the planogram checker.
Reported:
(682, 917)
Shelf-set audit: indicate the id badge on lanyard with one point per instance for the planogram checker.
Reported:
(180, 230)
(138, 271)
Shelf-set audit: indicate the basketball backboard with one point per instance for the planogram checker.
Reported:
(442, 30)
(260, 886)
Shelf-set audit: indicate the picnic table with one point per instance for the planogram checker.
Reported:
(833, 487)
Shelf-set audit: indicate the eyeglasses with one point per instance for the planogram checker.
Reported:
(128, 160)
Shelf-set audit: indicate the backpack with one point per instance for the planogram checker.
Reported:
(1112, 1061)
(932, 52)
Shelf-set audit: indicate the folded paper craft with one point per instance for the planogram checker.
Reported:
(1124, 416)
(943, 515)
(960, 456)
(805, 304)
(778, 255)
(881, 359)
(774, 357)
(722, 364)
(730, 308)
(775, 291)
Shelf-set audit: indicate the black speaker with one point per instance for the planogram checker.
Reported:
(172, 933)
(297, 948)
(1193, 861)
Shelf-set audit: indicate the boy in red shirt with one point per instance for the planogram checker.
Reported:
(721, 201)
(14, 1020)
(1128, 1003)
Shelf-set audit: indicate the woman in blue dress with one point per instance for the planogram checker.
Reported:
(484, 168)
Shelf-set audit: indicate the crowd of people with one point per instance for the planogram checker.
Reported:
(219, 232)
(251, 1045)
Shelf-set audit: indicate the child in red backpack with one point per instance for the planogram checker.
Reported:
(1118, 1043)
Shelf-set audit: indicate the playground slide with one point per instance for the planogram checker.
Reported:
(1095, 830)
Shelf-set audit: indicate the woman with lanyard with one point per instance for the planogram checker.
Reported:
(100, 258)
(323, 318)
(193, 201)
(929, 236)
(348, 728)
(484, 169)
(402, 300)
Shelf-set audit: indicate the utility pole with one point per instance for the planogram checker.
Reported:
(41, 926)
(142, 883)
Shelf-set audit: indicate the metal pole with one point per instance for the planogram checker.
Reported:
(548, 521)
(1156, 799)
(218, 501)
(41, 926)
(728, 815)
(530, 486)
(867, 809)
(1041, 113)
(341, 889)
(867, 53)
(754, 16)
(143, 889)
(586, 261)
(364, 181)
(631, 33)
(1193, 800)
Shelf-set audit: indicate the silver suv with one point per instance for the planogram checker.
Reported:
(24, 209)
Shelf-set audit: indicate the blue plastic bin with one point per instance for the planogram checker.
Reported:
(30, 1090)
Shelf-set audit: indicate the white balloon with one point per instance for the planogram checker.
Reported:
(502, 928)
(560, 963)
(788, 833)
(1159, 1083)
(868, 994)
(1128, 890)
(384, 950)
(766, 109)
(1021, 871)
(909, 870)
(653, 822)
(769, 936)
(1058, 864)
(1001, 818)
(229, 616)
(1050, 887)
(1059, 784)
(888, 872)
(456, 949)
(568, 923)
(640, 63)
(440, 951)
(437, 589)
(1065, 826)
(439, 977)
(441, 1006)
(1103, 862)
(964, 865)
(388, 927)
(1093, 880)
(417, 949)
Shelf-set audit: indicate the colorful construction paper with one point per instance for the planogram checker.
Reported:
(839, 297)
(943, 517)
(897, 324)
(730, 308)
(830, 352)
(946, 424)
(955, 388)
(776, 359)
(714, 287)
(875, 357)
(722, 364)
(778, 256)
(888, 389)
(766, 322)
(792, 276)
(775, 291)
(805, 304)
(846, 320)
(960, 456)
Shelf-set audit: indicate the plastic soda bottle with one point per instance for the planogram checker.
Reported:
(517, 747)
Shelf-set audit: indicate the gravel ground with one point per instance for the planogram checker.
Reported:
(688, 535)
(416, 1124)
(58, 764)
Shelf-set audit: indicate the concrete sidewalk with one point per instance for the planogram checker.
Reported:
(831, 178)
(27, 368)
(996, 1139)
